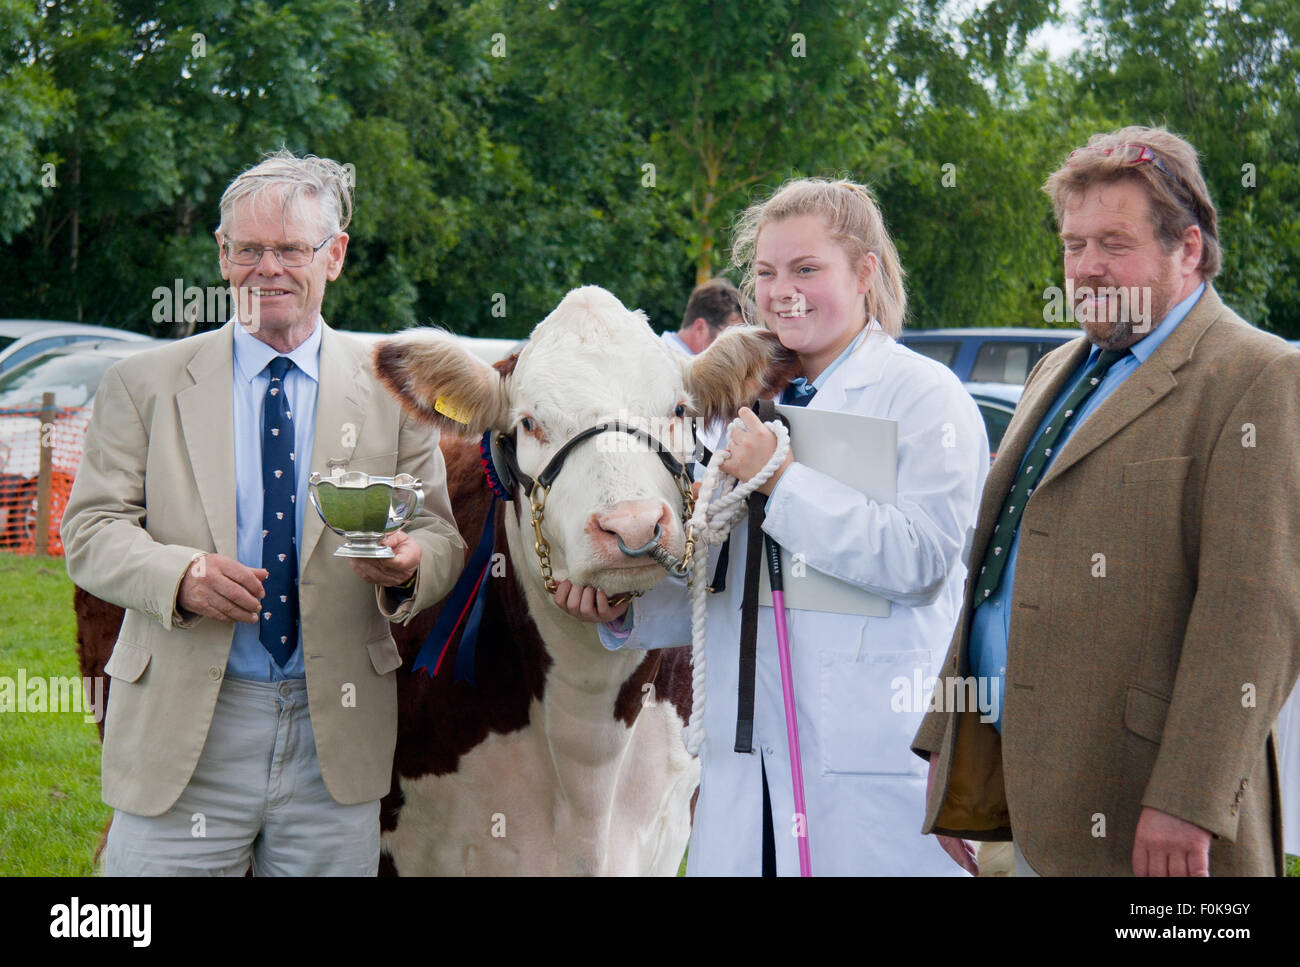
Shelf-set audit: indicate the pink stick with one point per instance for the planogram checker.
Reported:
(792, 730)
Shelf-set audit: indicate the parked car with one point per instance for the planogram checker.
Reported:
(996, 402)
(988, 354)
(22, 339)
(72, 373)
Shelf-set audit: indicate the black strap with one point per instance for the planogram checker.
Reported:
(749, 626)
(766, 411)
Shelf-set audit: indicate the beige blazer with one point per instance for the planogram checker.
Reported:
(1155, 617)
(156, 488)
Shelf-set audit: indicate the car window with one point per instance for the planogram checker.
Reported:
(72, 379)
(943, 352)
(997, 418)
(1008, 361)
(33, 348)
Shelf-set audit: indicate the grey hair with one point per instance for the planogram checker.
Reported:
(322, 179)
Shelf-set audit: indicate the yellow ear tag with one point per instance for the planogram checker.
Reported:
(445, 407)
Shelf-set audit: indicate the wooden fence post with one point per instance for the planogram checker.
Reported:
(48, 415)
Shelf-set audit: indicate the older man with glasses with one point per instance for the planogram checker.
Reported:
(253, 713)
(1134, 568)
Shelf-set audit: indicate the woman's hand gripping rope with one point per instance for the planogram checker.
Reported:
(758, 454)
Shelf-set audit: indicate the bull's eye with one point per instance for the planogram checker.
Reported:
(528, 424)
(680, 411)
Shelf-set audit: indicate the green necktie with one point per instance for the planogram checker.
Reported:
(1013, 508)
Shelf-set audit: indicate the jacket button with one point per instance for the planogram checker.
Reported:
(214, 673)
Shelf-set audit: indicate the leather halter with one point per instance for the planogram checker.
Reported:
(504, 446)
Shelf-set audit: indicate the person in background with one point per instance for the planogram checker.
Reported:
(712, 307)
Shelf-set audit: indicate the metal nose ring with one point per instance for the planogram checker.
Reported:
(646, 549)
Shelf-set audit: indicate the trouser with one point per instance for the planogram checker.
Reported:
(256, 799)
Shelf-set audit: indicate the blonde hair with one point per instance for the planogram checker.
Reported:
(1174, 185)
(852, 218)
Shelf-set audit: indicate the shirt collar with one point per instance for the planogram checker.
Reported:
(679, 343)
(252, 355)
(820, 381)
(1148, 344)
(800, 387)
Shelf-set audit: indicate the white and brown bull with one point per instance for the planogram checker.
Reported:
(560, 757)
(571, 760)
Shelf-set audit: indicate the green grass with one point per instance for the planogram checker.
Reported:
(51, 815)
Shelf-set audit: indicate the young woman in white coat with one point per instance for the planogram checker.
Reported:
(826, 278)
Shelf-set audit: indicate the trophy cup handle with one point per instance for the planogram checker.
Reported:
(411, 504)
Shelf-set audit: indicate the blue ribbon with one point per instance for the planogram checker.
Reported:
(473, 582)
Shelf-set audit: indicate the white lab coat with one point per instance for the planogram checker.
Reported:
(853, 676)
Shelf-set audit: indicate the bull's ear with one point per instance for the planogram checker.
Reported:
(743, 364)
(440, 382)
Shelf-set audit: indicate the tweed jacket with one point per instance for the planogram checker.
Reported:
(1155, 617)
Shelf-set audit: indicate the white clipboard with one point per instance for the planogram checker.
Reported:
(860, 452)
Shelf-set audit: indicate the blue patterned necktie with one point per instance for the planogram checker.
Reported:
(279, 618)
(1040, 451)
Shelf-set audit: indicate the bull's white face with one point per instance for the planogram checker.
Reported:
(591, 361)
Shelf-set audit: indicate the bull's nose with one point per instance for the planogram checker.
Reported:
(632, 521)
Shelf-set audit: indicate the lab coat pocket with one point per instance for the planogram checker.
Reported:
(872, 704)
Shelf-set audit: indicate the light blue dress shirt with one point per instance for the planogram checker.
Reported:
(248, 658)
(991, 624)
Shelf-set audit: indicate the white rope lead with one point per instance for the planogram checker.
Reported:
(712, 521)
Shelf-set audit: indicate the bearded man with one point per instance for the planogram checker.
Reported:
(1132, 582)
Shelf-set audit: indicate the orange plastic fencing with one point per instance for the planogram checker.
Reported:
(23, 433)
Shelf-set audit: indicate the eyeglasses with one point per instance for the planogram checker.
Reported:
(1129, 154)
(291, 255)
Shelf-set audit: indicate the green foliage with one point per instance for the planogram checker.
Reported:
(30, 103)
(507, 152)
(1224, 76)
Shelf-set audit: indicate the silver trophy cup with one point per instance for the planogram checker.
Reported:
(363, 508)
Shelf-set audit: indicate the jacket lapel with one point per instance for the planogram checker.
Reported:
(1149, 384)
(1031, 409)
(207, 422)
(341, 398)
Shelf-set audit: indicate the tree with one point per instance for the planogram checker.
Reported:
(1225, 77)
(30, 103)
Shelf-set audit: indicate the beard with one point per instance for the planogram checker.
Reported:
(1129, 313)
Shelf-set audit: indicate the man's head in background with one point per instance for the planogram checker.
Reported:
(712, 307)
